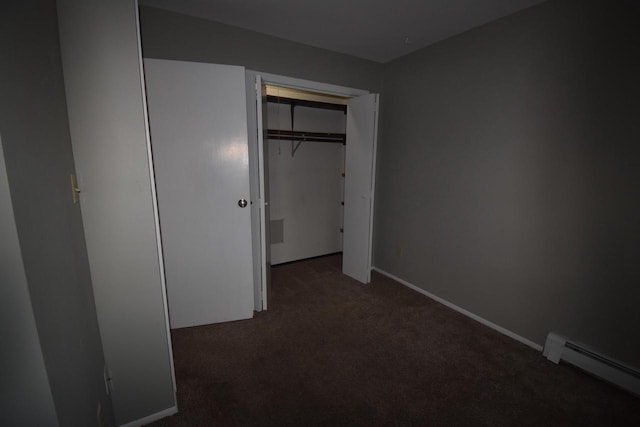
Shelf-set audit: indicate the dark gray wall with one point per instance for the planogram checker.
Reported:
(509, 173)
(25, 395)
(169, 35)
(37, 149)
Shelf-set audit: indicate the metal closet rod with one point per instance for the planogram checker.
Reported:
(296, 135)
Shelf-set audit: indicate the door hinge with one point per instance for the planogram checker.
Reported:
(108, 380)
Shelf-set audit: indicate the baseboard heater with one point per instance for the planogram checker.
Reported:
(558, 348)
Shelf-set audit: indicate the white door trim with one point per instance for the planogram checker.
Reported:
(154, 198)
(314, 86)
(295, 83)
(373, 180)
(261, 192)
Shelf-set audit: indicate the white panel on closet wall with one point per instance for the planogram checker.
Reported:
(307, 188)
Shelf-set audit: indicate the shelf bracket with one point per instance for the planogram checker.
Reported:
(294, 147)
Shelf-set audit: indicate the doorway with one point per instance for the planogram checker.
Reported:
(306, 153)
(210, 138)
(359, 174)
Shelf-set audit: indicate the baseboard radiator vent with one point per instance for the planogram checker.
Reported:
(558, 348)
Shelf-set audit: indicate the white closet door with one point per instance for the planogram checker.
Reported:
(362, 124)
(198, 121)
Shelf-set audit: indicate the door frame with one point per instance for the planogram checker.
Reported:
(255, 157)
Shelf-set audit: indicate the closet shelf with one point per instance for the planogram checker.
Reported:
(306, 103)
(295, 135)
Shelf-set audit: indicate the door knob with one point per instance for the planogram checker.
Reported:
(242, 203)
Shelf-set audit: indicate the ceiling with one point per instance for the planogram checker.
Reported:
(378, 30)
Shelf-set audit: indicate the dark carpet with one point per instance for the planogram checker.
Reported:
(331, 352)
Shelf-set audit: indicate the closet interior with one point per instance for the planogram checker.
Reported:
(306, 144)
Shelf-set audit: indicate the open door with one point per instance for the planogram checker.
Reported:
(198, 122)
(362, 125)
(263, 166)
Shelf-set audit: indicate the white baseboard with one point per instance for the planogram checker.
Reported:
(151, 418)
(461, 310)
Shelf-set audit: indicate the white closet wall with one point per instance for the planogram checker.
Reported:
(306, 189)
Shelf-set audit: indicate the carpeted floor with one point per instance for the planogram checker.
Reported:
(331, 352)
